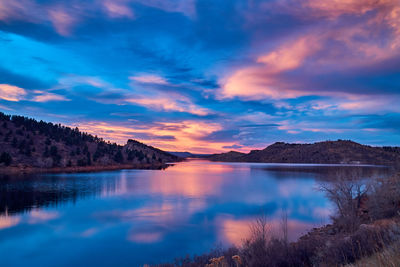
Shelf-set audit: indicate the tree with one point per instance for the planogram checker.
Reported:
(347, 193)
(89, 161)
(6, 158)
(46, 152)
(14, 142)
(53, 151)
(118, 157)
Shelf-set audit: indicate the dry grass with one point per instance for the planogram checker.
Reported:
(389, 257)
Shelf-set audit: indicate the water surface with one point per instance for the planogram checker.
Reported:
(134, 217)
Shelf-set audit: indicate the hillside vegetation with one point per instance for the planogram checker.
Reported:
(27, 143)
(328, 152)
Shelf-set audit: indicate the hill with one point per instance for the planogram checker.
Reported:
(328, 152)
(188, 155)
(29, 144)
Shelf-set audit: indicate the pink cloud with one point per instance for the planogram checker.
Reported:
(46, 97)
(11, 93)
(18, 10)
(118, 9)
(355, 46)
(170, 102)
(336, 8)
(262, 79)
(290, 55)
(62, 20)
(149, 78)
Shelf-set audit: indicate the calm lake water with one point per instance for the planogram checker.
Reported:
(134, 217)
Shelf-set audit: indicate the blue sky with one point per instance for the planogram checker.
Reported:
(206, 76)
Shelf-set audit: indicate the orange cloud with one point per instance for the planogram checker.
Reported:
(189, 135)
(11, 93)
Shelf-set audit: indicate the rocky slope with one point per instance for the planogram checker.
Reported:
(328, 152)
(27, 143)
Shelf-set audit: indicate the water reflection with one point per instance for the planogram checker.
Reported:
(147, 216)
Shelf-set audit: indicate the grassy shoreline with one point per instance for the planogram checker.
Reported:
(80, 169)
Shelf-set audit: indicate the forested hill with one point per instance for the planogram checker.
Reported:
(27, 143)
(328, 152)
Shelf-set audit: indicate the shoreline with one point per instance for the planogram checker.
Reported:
(81, 169)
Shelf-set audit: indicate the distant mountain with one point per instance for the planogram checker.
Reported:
(229, 156)
(181, 154)
(328, 152)
(27, 143)
(188, 155)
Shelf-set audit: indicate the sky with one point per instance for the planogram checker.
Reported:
(206, 75)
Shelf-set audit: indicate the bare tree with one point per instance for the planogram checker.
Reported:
(347, 193)
(284, 226)
(260, 229)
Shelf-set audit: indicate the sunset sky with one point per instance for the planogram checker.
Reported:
(206, 75)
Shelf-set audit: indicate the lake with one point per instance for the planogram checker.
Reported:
(136, 217)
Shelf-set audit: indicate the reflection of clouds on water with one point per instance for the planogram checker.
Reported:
(235, 231)
(141, 237)
(40, 216)
(290, 187)
(7, 221)
(34, 217)
(90, 232)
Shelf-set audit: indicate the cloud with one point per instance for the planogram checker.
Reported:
(11, 93)
(263, 80)
(12, 10)
(62, 20)
(30, 11)
(172, 102)
(188, 134)
(149, 78)
(186, 7)
(46, 97)
(118, 9)
(335, 8)
(292, 69)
